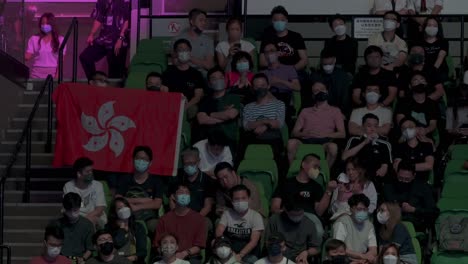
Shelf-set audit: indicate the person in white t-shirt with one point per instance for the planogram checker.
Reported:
(212, 151)
(226, 49)
(91, 192)
(403, 7)
(169, 247)
(276, 246)
(43, 48)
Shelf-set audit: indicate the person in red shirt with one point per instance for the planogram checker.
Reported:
(189, 226)
(53, 241)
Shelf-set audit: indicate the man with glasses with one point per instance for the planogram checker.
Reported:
(415, 197)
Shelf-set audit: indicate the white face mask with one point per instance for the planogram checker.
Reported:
(382, 217)
(390, 259)
(431, 31)
(53, 252)
(328, 68)
(340, 30)
(409, 133)
(124, 213)
(168, 249)
(389, 24)
(313, 173)
(223, 252)
(241, 207)
(183, 56)
(372, 97)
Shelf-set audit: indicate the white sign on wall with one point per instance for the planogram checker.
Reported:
(364, 27)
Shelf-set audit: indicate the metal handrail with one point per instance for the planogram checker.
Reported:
(72, 28)
(8, 249)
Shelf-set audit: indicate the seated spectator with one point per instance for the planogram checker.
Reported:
(301, 237)
(312, 199)
(142, 190)
(417, 63)
(169, 247)
(355, 181)
(105, 248)
(345, 46)
(182, 78)
(226, 49)
(99, 78)
(419, 107)
(394, 48)
(292, 49)
(202, 53)
(242, 225)
(372, 149)
(228, 178)
(338, 82)
(457, 113)
(239, 78)
(415, 197)
(418, 153)
(90, 191)
(212, 151)
(53, 242)
(222, 252)
(201, 185)
(129, 235)
(154, 82)
(283, 79)
(220, 110)
(391, 230)
(264, 118)
(335, 251)
(356, 231)
(77, 230)
(402, 7)
(436, 47)
(422, 7)
(185, 224)
(384, 115)
(276, 247)
(319, 124)
(390, 254)
(375, 74)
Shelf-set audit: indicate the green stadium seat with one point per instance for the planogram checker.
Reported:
(137, 76)
(454, 165)
(410, 227)
(417, 249)
(452, 204)
(455, 187)
(258, 152)
(107, 195)
(443, 258)
(264, 172)
(459, 152)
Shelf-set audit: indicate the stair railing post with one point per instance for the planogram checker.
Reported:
(50, 86)
(27, 174)
(75, 49)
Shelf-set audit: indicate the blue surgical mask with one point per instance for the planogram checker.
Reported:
(279, 26)
(190, 169)
(46, 28)
(141, 165)
(361, 216)
(274, 249)
(242, 66)
(183, 199)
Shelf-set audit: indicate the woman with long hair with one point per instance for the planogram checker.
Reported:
(390, 254)
(43, 48)
(435, 46)
(392, 231)
(129, 236)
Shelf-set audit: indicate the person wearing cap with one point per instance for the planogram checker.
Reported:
(457, 113)
(301, 237)
(242, 225)
(222, 252)
(276, 246)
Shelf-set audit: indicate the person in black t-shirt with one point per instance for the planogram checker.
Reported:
(292, 49)
(414, 151)
(435, 46)
(112, 18)
(372, 72)
(182, 78)
(345, 47)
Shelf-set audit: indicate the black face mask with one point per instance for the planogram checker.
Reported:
(197, 30)
(403, 187)
(153, 88)
(106, 248)
(416, 59)
(341, 259)
(261, 92)
(321, 97)
(420, 88)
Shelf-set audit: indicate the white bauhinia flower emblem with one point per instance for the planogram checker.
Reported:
(106, 129)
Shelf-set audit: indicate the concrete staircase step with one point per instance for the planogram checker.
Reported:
(36, 158)
(36, 146)
(37, 134)
(25, 250)
(38, 184)
(32, 209)
(22, 235)
(25, 109)
(30, 222)
(38, 171)
(29, 97)
(36, 196)
(37, 123)
(18, 260)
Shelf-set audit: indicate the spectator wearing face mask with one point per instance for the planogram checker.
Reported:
(169, 247)
(220, 110)
(142, 190)
(374, 73)
(154, 82)
(414, 196)
(390, 254)
(185, 224)
(53, 242)
(90, 191)
(242, 225)
(424, 7)
(345, 46)
(239, 78)
(99, 78)
(394, 48)
(104, 243)
(129, 235)
(182, 78)
(391, 230)
(276, 247)
(301, 238)
(213, 150)
(78, 231)
(384, 115)
(222, 252)
(435, 46)
(337, 80)
(202, 56)
(43, 48)
(356, 231)
(336, 253)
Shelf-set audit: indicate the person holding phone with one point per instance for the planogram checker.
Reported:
(225, 50)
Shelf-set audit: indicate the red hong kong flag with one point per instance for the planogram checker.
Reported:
(105, 124)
